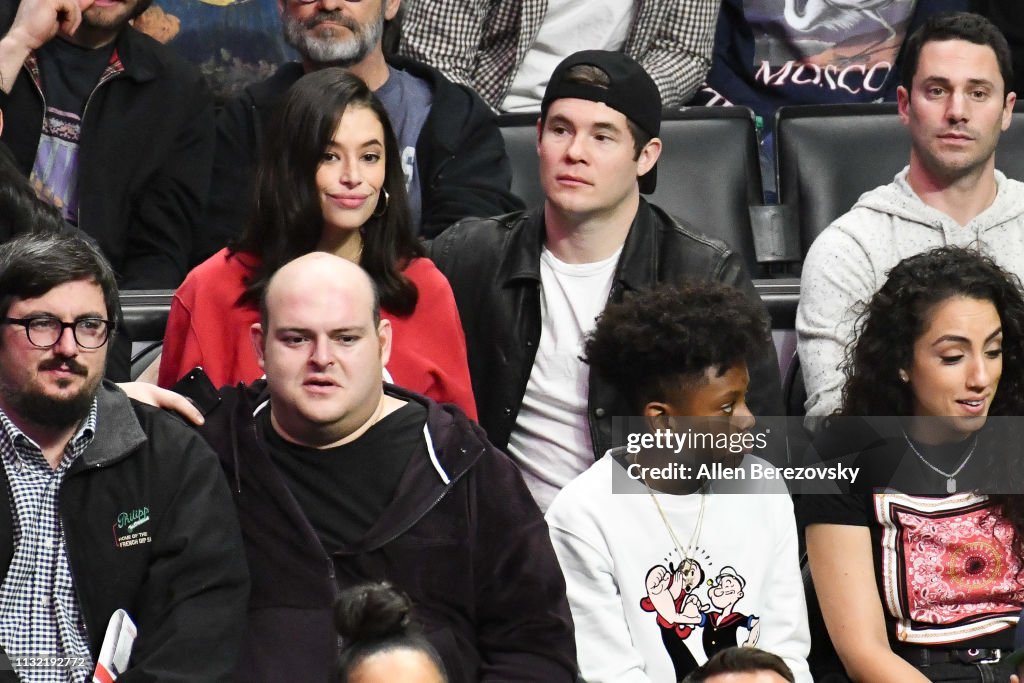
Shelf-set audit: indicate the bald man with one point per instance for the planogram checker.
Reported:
(340, 478)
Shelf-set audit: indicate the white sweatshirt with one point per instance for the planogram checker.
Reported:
(610, 545)
(851, 259)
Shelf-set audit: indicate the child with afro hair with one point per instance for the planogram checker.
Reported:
(662, 572)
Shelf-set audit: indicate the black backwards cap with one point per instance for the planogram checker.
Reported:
(631, 91)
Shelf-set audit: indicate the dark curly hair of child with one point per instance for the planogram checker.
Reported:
(658, 337)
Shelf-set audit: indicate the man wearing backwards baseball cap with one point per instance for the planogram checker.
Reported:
(530, 284)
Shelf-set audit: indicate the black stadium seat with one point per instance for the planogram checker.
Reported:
(143, 318)
(829, 155)
(708, 174)
(145, 313)
(520, 134)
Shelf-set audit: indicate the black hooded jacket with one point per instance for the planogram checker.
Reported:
(462, 537)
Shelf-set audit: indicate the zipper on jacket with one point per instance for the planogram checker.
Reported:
(104, 79)
(74, 582)
(39, 89)
(422, 514)
(426, 509)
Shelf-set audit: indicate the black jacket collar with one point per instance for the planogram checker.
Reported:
(637, 265)
(456, 444)
(140, 64)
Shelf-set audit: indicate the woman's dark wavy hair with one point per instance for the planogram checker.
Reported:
(373, 618)
(287, 220)
(645, 345)
(897, 315)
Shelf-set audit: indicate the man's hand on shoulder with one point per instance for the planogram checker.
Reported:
(163, 398)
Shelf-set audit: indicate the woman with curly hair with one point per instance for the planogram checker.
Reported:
(329, 179)
(919, 576)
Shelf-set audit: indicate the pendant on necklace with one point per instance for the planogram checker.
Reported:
(950, 485)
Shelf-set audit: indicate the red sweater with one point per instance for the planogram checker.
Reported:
(207, 328)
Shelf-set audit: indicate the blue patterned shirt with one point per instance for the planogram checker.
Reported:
(39, 610)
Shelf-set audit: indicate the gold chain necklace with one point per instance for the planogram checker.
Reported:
(695, 537)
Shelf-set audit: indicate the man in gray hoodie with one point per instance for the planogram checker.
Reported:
(954, 101)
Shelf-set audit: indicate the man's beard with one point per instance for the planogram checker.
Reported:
(51, 411)
(98, 20)
(331, 50)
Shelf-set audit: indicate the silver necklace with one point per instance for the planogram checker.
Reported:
(950, 476)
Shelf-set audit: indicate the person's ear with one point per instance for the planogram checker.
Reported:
(903, 104)
(658, 415)
(656, 409)
(648, 156)
(384, 338)
(259, 342)
(1011, 99)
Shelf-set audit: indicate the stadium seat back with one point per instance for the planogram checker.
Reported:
(829, 155)
(708, 173)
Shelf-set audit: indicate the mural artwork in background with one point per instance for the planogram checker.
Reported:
(234, 42)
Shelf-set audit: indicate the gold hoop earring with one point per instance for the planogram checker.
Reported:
(378, 212)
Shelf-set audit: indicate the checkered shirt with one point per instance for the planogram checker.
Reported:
(39, 611)
(481, 43)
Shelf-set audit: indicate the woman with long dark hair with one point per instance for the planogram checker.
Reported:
(329, 179)
(919, 577)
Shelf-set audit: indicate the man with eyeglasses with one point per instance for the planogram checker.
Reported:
(107, 504)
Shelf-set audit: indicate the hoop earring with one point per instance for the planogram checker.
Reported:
(378, 212)
(904, 377)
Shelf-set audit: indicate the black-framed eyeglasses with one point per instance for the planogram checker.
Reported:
(45, 331)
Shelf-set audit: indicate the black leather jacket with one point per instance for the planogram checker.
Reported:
(461, 535)
(493, 265)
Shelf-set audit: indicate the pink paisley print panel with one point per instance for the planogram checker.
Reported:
(958, 565)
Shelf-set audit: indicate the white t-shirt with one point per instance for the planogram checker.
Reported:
(569, 26)
(551, 438)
